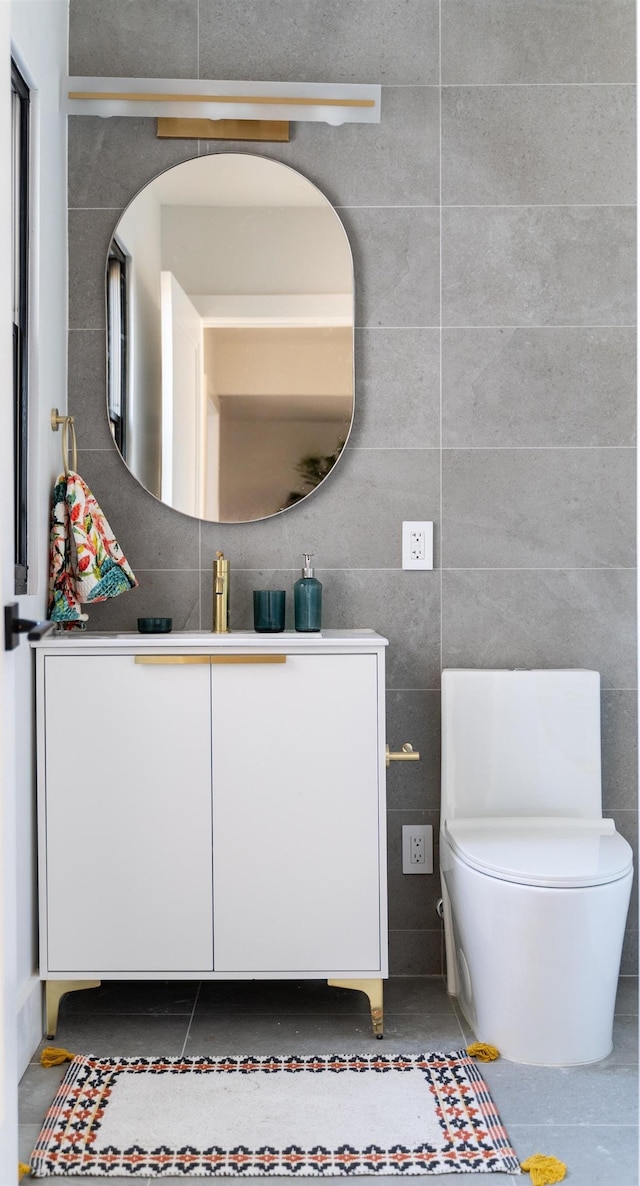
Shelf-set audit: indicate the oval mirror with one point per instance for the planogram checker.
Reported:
(230, 337)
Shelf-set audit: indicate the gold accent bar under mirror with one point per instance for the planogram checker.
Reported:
(273, 130)
(177, 659)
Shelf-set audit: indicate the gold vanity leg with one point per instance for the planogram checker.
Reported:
(374, 990)
(54, 990)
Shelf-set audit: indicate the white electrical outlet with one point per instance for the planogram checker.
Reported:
(417, 545)
(417, 848)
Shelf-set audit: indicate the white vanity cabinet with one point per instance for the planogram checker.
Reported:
(212, 807)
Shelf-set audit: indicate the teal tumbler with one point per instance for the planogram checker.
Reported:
(268, 610)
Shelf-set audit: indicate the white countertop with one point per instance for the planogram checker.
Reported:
(198, 640)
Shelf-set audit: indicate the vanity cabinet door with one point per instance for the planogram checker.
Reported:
(127, 815)
(296, 810)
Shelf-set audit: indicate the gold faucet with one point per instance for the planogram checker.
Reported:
(220, 594)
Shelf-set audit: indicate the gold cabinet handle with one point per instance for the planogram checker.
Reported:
(248, 658)
(209, 659)
(406, 754)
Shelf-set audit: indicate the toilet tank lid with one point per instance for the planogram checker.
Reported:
(521, 742)
(552, 853)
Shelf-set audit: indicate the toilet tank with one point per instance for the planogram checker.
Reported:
(521, 743)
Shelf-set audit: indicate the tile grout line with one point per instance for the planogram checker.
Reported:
(418, 86)
(434, 206)
(189, 1023)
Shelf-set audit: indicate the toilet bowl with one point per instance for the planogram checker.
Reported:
(535, 883)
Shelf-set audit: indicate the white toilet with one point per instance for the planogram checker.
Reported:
(535, 882)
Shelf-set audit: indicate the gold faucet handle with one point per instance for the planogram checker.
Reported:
(406, 754)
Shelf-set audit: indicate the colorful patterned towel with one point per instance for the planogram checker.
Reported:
(86, 562)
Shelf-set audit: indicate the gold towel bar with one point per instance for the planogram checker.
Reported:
(148, 659)
(406, 754)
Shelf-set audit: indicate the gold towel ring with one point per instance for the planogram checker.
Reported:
(68, 440)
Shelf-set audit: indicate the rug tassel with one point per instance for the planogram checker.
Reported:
(54, 1056)
(483, 1051)
(544, 1170)
(23, 1169)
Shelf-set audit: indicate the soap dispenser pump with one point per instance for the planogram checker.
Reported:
(307, 599)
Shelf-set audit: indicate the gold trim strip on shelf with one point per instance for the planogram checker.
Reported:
(166, 659)
(274, 100)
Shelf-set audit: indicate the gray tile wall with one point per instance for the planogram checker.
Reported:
(492, 226)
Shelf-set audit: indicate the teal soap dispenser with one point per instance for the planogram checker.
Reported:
(307, 599)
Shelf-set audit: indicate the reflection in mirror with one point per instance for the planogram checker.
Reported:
(230, 337)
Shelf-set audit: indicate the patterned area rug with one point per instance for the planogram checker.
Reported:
(310, 1117)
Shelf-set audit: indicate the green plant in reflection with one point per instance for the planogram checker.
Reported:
(313, 469)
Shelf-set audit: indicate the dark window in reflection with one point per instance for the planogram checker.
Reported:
(117, 316)
(20, 274)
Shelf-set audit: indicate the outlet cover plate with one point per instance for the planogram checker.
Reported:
(423, 835)
(417, 544)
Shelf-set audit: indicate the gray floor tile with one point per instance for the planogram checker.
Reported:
(595, 1155)
(586, 1116)
(268, 1034)
(38, 1087)
(121, 1035)
(27, 1137)
(546, 1096)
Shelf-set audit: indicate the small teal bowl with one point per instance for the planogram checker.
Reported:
(154, 625)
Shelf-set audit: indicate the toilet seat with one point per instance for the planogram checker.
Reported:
(548, 852)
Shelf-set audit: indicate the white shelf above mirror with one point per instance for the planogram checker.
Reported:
(184, 99)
